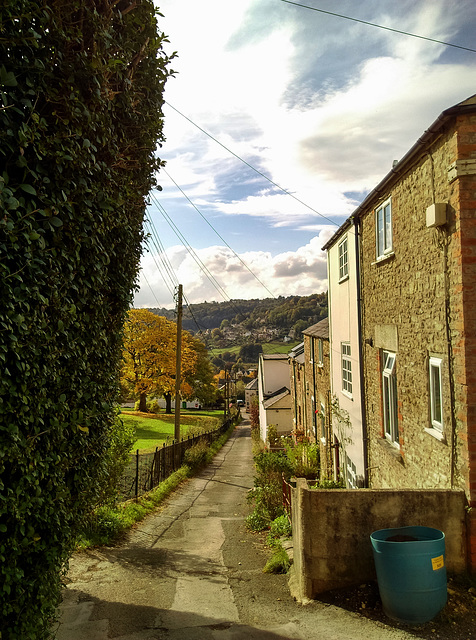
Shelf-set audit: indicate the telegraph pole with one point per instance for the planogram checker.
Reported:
(178, 364)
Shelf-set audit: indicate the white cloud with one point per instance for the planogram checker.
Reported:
(221, 274)
(320, 105)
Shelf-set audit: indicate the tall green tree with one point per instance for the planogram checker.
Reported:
(81, 86)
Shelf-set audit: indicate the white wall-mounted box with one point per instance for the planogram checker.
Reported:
(436, 214)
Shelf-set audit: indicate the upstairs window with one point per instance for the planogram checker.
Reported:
(436, 395)
(389, 397)
(383, 225)
(343, 260)
(346, 368)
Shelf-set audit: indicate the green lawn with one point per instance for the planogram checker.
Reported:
(268, 347)
(153, 431)
(278, 347)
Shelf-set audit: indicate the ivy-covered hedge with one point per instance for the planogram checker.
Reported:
(81, 86)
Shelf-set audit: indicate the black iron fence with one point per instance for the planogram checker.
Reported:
(146, 470)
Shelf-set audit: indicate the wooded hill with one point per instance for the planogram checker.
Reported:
(255, 320)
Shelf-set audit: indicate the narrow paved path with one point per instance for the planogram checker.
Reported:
(193, 572)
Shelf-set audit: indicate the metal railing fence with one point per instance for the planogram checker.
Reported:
(146, 470)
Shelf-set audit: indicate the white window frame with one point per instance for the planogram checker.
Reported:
(346, 367)
(343, 260)
(389, 397)
(436, 394)
(383, 230)
(320, 351)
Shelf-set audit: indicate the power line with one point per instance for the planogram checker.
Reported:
(164, 258)
(164, 271)
(221, 237)
(263, 175)
(379, 26)
(190, 249)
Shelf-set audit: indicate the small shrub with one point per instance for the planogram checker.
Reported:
(195, 430)
(279, 562)
(153, 407)
(258, 520)
(254, 413)
(197, 455)
(267, 496)
(136, 405)
(274, 440)
(279, 528)
(304, 458)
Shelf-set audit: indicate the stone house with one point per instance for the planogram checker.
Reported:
(298, 392)
(274, 396)
(310, 392)
(415, 235)
(317, 386)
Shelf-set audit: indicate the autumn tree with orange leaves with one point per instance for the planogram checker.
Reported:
(149, 358)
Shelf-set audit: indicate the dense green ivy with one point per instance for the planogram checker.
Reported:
(81, 86)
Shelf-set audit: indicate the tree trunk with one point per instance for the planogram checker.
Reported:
(143, 402)
(168, 402)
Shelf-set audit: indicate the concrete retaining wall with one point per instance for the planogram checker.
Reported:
(331, 531)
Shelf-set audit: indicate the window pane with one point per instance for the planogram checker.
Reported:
(386, 405)
(380, 233)
(388, 227)
(435, 394)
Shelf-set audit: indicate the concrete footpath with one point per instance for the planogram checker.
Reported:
(193, 572)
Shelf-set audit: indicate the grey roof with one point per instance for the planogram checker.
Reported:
(274, 356)
(318, 330)
(253, 384)
(297, 350)
(276, 397)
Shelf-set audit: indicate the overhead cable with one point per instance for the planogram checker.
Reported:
(263, 175)
(221, 237)
(379, 26)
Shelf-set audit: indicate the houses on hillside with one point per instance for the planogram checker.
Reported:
(398, 407)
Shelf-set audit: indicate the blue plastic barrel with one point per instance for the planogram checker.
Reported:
(411, 572)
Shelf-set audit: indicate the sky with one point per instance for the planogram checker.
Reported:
(278, 122)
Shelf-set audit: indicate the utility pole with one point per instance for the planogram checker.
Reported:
(178, 364)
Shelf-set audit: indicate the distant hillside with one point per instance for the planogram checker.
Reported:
(245, 321)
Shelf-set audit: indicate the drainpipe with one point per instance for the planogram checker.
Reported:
(361, 354)
(314, 394)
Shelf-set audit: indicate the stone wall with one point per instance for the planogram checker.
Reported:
(331, 531)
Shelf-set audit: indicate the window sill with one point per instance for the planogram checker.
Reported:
(439, 435)
(392, 449)
(384, 258)
(347, 395)
(344, 278)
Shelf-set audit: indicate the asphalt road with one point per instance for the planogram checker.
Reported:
(193, 572)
